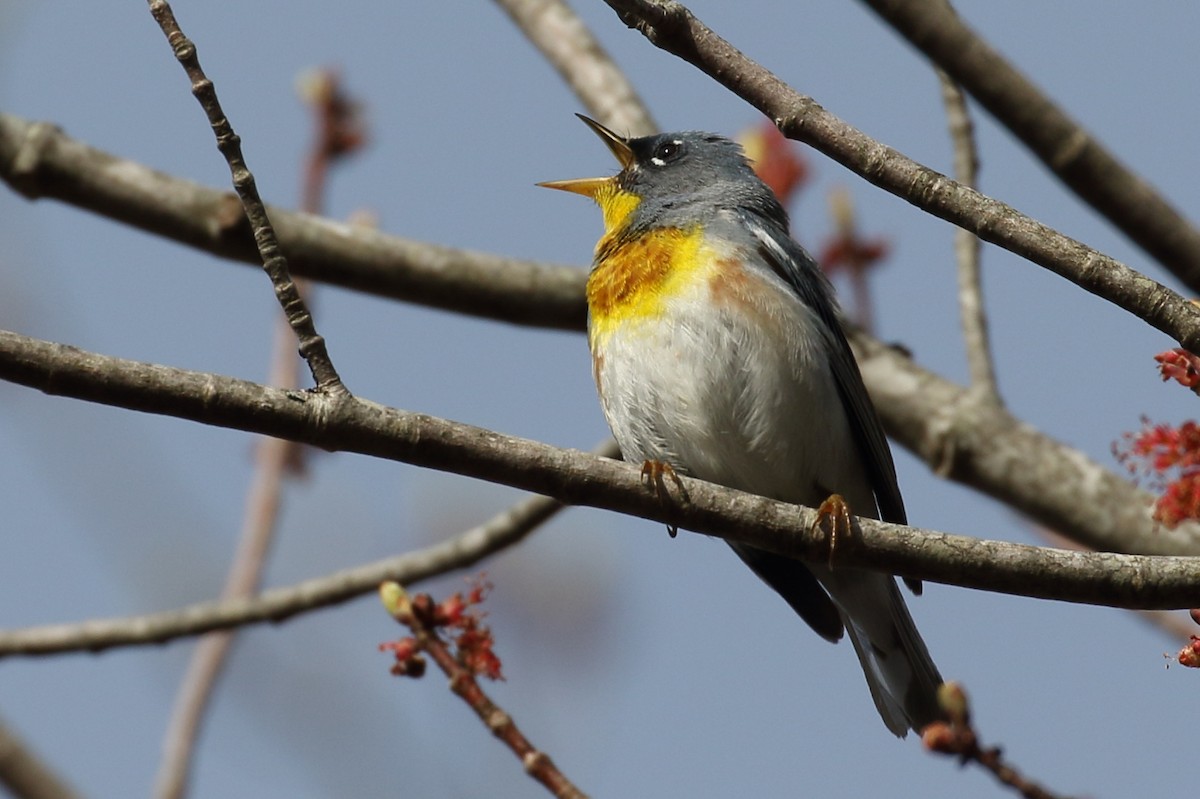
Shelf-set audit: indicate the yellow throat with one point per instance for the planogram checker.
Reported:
(632, 276)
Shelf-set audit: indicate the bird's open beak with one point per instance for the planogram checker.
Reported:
(589, 187)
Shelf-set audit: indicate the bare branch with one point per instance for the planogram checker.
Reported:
(24, 775)
(967, 246)
(1065, 147)
(355, 425)
(38, 160)
(672, 27)
(312, 345)
(573, 51)
(278, 604)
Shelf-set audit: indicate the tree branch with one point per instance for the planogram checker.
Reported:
(278, 604)
(966, 247)
(312, 344)
(39, 160)
(558, 33)
(1061, 143)
(24, 774)
(354, 425)
(673, 28)
(985, 447)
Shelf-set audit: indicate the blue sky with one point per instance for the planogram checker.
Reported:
(645, 666)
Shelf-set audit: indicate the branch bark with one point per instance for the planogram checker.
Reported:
(39, 160)
(670, 26)
(354, 425)
(967, 247)
(558, 33)
(278, 604)
(24, 774)
(311, 343)
(1061, 143)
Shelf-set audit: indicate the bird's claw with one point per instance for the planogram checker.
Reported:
(834, 519)
(654, 476)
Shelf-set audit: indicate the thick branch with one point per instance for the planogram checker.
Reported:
(983, 446)
(354, 425)
(672, 27)
(38, 160)
(1065, 147)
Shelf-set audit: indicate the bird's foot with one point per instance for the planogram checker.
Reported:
(834, 519)
(654, 476)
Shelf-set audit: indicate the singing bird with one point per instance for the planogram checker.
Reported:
(718, 353)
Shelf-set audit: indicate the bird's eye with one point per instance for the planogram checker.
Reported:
(666, 152)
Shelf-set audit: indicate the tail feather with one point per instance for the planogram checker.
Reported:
(899, 671)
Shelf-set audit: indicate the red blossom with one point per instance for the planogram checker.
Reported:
(852, 251)
(775, 158)
(475, 653)
(473, 641)
(1181, 366)
(1170, 456)
(409, 661)
(1179, 502)
(1190, 655)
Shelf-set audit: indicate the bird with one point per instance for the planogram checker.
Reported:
(718, 353)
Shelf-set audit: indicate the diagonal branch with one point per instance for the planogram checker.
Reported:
(312, 344)
(355, 425)
(984, 446)
(1062, 144)
(670, 26)
(24, 775)
(278, 604)
(556, 31)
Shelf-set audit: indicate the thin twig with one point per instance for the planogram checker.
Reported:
(670, 26)
(504, 530)
(211, 652)
(312, 345)
(1062, 144)
(24, 775)
(416, 614)
(967, 245)
(957, 737)
(275, 459)
(354, 425)
(554, 29)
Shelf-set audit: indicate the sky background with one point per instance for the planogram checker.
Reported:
(645, 666)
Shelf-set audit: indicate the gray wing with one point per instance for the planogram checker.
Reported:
(797, 268)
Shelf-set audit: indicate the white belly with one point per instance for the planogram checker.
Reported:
(737, 392)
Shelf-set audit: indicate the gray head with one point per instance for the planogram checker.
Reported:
(677, 179)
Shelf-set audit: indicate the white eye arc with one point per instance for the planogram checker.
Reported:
(667, 151)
